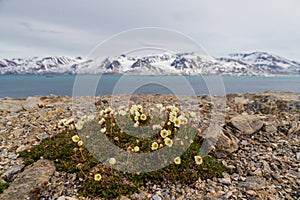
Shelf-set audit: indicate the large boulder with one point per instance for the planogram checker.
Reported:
(30, 182)
(247, 124)
(33, 102)
(227, 143)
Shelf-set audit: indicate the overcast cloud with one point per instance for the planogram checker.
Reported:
(74, 27)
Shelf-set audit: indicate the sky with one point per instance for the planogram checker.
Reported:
(75, 27)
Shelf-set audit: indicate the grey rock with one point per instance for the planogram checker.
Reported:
(227, 143)
(247, 124)
(298, 156)
(156, 197)
(11, 173)
(32, 102)
(12, 156)
(30, 181)
(254, 183)
(69, 198)
(15, 109)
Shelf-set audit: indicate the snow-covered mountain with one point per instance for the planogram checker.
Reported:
(254, 64)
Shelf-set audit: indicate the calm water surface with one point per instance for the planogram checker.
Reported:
(22, 86)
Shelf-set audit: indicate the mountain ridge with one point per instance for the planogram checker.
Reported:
(250, 64)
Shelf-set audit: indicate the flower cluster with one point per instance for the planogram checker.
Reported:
(77, 140)
(138, 115)
(66, 123)
(174, 120)
(105, 114)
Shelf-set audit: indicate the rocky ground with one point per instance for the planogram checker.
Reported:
(258, 143)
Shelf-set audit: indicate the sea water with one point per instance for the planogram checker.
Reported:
(22, 86)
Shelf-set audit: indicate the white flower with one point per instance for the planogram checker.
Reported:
(136, 118)
(79, 125)
(84, 118)
(70, 121)
(154, 146)
(90, 118)
(164, 133)
(175, 109)
(108, 110)
(136, 148)
(101, 121)
(133, 109)
(75, 138)
(97, 177)
(156, 127)
(136, 124)
(143, 117)
(71, 127)
(160, 107)
(137, 113)
(122, 112)
(103, 130)
(80, 143)
(140, 108)
(168, 142)
(177, 160)
(112, 161)
(193, 115)
(198, 160)
(183, 119)
(177, 122)
(121, 108)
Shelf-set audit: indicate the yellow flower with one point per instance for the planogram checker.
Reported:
(154, 146)
(168, 142)
(80, 143)
(75, 138)
(112, 161)
(173, 115)
(97, 177)
(103, 130)
(198, 160)
(143, 117)
(177, 160)
(136, 118)
(136, 148)
(175, 109)
(177, 122)
(102, 121)
(164, 133)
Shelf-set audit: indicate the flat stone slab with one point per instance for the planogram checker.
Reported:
(29, 181)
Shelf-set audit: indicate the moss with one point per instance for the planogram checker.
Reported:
(3, 186)
(70, 158)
